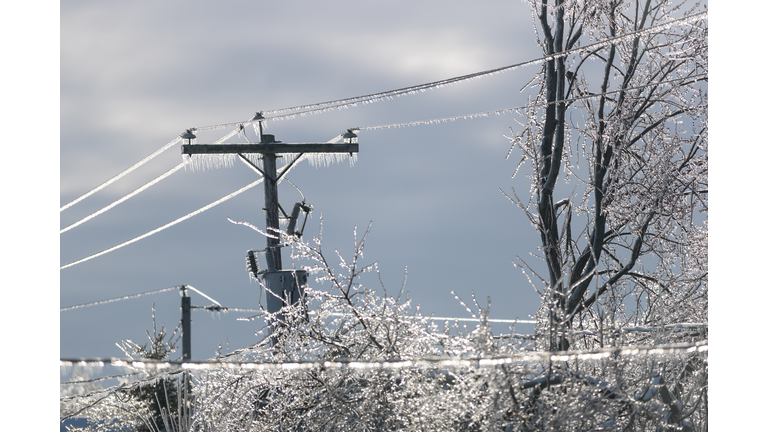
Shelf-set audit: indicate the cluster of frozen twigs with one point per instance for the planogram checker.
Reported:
(369, 361)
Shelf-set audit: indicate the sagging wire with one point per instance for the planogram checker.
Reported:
(121, 174)
(127, 171)
(374, 97)
(405, 124)
(202, 294)
(168, 225)
(427, 318)
(224, 309)
(100, 302)
(125, 198)
(368, 98)
(696, 78)
(284, 170)
(285, 113)
(99, 379)
(596, 354)
(181, 288)
(303, 199)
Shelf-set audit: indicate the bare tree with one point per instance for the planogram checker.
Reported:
(616, 140)
(348, 358)
(617, 144)
(619, 160)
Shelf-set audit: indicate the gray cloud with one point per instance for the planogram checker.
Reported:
(135, 75)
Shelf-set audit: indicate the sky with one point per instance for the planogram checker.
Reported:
(135, 75)
(126, 79)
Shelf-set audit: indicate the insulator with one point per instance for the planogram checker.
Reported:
(252, 264)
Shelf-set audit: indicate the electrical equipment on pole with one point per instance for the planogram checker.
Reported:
(286, 287)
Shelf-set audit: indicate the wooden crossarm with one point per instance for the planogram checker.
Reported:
(191, 149)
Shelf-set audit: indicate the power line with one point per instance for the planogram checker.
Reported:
(202, 294)
(168, 225)
(284, 170)
(532, 105)
(219, 308)
(285, 113)
(524, 356)
(395, 125)
(351, 101)
(98, 379)
(121, 174)
(100, 302)
(125, 198)
(178, 287)
(134, 166)
(341, 103)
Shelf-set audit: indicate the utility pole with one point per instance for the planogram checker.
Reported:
(286, 285)
(186, 338)
(186, 325)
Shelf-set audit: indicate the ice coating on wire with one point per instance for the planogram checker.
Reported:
(700, 346)
(284, 170)
(131, 296)
(287, 113)
(129, 170)
(121, 174)
(522, 107)
(168, 225)
(125, 198)
(374, 348)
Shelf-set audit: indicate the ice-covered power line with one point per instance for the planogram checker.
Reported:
(522, 107)
(292, 112)
(135, 166)
(284, 169)
(429, 318)
(125, 198)
(168, 225)
(202, 294)
(523, 356)
(394, 125)
(301, 110)
(104, 378)
(121, 174)
(131, 296)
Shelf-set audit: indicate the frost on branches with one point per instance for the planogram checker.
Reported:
(348, 358)
(616, 144)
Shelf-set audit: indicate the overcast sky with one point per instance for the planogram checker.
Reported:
(131, 76)
(136, 75)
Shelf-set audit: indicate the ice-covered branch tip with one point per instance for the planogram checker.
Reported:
(254, 228)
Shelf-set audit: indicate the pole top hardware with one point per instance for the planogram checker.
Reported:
(349, 136)
(269, 138)
(257, 116)
(188, 135)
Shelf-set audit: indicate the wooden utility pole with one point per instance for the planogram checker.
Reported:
(186, 337)
(186, 325)
(287, 285)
